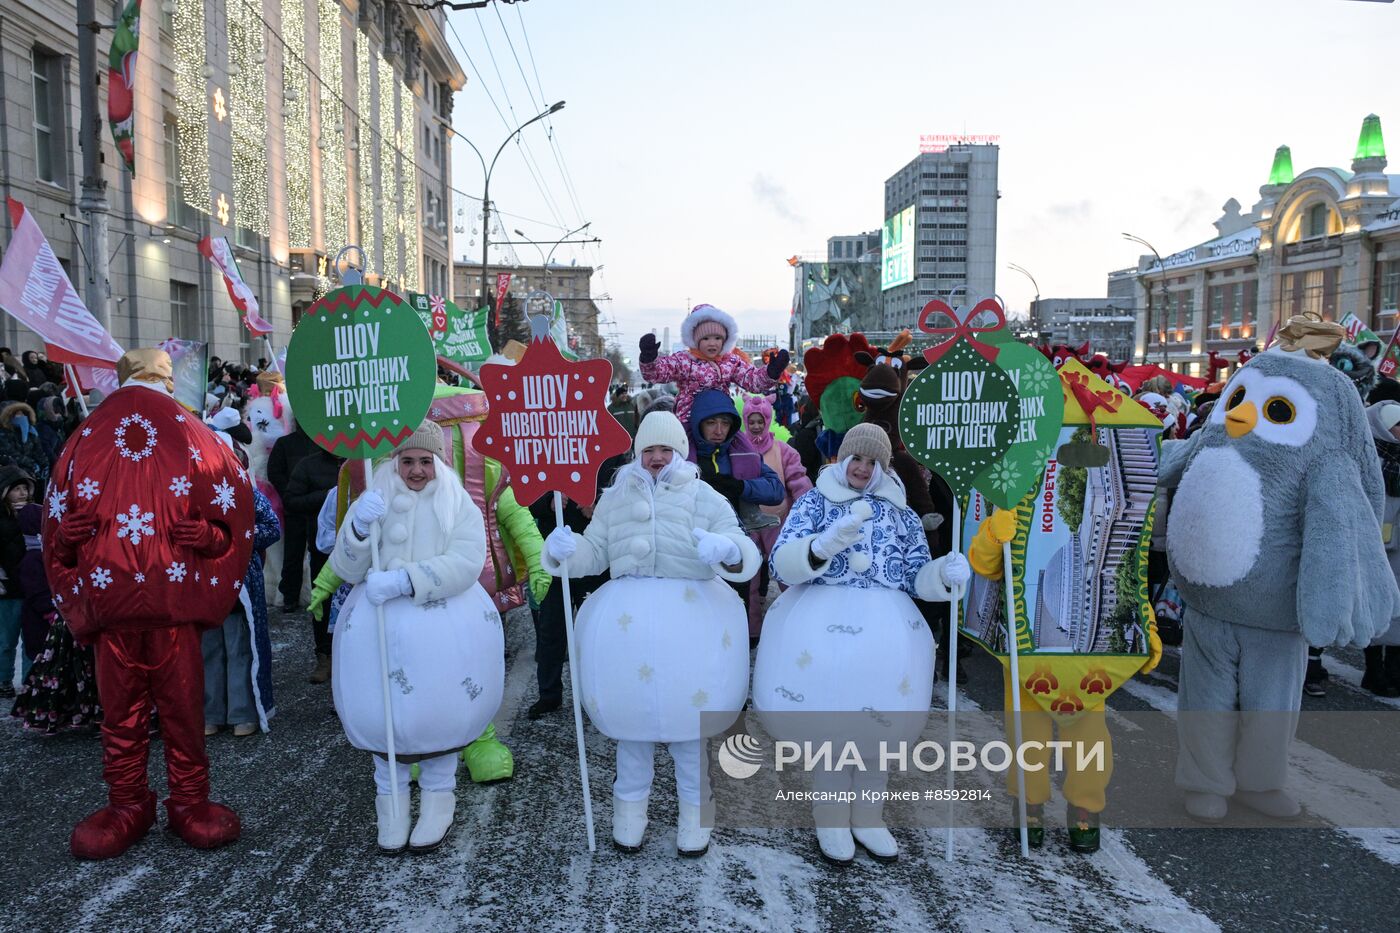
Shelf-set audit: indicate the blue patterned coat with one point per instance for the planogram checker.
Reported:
(891, 552)
(267, 530)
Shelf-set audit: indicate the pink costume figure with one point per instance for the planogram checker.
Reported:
(758, 426)
(708, 362)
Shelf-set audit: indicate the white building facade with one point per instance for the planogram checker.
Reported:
(1325, 241)
(292, 127)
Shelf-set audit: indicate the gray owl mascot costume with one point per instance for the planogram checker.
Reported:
(1274, 543)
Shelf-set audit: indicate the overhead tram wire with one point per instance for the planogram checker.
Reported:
(505, 91)
(539, 184)
(554, 145)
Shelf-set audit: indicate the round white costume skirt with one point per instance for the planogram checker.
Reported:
(446, 671)
(654, 653)
(843, 650)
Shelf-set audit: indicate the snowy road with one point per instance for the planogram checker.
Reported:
(518, 859)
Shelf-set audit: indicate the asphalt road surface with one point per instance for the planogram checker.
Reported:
(518, 859)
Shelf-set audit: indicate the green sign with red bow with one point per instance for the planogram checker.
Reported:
(960, 415)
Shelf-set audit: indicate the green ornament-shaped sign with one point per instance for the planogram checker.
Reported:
(1042, 411)
(960, 415)
(360, 371)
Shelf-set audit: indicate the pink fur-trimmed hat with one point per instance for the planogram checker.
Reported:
(703, 314)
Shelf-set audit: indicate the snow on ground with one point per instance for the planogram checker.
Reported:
(517, 858)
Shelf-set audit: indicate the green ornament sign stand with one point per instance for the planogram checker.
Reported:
(979, 415)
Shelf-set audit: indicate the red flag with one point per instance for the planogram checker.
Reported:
(218, 251)
(502, 283)
(36, 291)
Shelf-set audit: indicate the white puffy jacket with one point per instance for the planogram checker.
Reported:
(645, 529)
(443, 558)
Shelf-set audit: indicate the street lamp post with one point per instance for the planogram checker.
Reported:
(1035, 314)
(486, 186)
(1162, 333)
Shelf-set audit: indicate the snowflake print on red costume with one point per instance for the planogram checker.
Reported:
(135, 524)
(176, 572)
(58, 504)
(148, 448)
(101, 577)
(223, 496)
(180, 486)
(89, 489)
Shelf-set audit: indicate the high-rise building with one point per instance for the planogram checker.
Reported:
(291, 127)
(940, 231)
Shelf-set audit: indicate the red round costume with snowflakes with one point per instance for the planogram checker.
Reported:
(139, 464)
(173, 515)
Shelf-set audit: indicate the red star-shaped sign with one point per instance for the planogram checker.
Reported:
(549, 423)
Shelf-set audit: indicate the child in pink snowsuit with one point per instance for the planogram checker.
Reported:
(783, 460)
(709, 362)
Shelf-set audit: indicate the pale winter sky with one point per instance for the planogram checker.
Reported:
(709, 141)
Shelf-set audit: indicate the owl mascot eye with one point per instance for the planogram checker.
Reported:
(1274, 542)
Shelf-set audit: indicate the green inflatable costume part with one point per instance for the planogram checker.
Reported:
(488, 760)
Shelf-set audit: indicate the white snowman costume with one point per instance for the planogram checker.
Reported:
(665, 639)
(445, 642)
(846, 638)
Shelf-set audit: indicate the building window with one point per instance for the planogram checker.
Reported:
(184, 311)
(1181, 314)
(248, 239)
(48, 117)
(1317, 220)
(1215, 321)
(177, 211)
(1389, 308)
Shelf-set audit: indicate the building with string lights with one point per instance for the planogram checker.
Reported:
(291, 127)
(1325, 241)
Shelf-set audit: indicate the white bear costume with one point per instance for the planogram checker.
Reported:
(665, 639)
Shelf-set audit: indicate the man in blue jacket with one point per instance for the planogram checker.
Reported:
(729, 463)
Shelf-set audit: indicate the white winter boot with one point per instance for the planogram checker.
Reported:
(393, 833)
(834, 838)
(692, 839)
(868, 829)
(629, 824)
(436, 811)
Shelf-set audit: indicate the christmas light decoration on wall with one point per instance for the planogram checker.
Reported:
(409, 221)
(366, 151)
(388, 168)
(296, 115)
(335, 210)
(247, 115)
(192, 102)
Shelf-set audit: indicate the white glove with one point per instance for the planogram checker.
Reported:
(843, 533)
(367, 510)
(716, 549)
(932, 521)
(384, 585)
(956, 571)
(560, 545)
